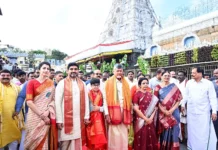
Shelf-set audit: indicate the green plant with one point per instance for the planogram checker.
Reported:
(123, 61)
(65, 73)
(143, 65)
(155, 61)
(195, 55)
(105, 66)
(82, 67)
(214, 52)
(113, 62)
(180, 58)
(164, 61)
(94, 67)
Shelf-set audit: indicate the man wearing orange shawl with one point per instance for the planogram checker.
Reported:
(118, 98)
(72, 110)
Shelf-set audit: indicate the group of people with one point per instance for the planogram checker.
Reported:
(114, 112)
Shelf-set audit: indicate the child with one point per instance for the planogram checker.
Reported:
(96, 132)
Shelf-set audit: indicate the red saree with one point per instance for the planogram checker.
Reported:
(96, 132)
(144, 135)
(39, 135)
(135, 89)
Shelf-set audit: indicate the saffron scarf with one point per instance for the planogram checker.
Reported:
(114, 104)
(96, 132)
(68, 107)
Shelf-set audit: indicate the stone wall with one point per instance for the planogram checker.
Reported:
(208, 34)
(203, 28)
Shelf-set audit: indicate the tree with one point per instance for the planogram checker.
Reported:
(3, 50)
(112, 64)
(39, 52)
(31, 56)
(94, 67)
(105, 67)
(56, 54)
(18, 50)
(123, 61)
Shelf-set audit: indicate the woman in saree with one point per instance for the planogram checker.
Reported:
(145, 108)
(136, 88)
(41, 132)
(168, 128)
(96, 131)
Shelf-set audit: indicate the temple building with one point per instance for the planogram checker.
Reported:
(187, 38)
(127, 30)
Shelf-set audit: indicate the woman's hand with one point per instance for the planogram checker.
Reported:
(148, 121)
(46, 120)
(168, 113)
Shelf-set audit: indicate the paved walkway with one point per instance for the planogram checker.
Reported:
(183, 147)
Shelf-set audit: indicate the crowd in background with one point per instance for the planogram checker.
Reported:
(46, 110)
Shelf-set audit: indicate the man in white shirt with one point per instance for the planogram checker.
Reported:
(215, 83)
(97, 75)
(130, 79)
(200, 97)
(173, 77)
(15, 79)
(156, 80)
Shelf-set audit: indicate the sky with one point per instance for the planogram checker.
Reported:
(68, 25)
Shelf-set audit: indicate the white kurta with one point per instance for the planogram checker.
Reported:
(181, 87)
(59, 104)
(200, 98)
(173, 80)
(131, 83)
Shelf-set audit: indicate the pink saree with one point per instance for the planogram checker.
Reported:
(39, 135)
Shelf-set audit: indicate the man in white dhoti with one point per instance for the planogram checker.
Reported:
(200, 97)
(215, 83)
(72, 110)
(119, 105)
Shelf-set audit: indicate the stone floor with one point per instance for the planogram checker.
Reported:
(183, 147)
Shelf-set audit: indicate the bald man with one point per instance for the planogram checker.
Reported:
(118, 98)
(215, 83)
